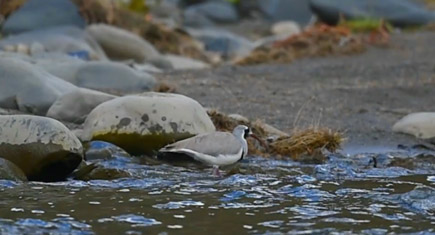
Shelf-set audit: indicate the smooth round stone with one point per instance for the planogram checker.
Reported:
(9, 171)
(42, 147)
(142, 124)
(106, 76)
(27, 87)
(420, 125)
(76, 105)
(35, 14)
(100, 150)
(62, 39)
(120, 44)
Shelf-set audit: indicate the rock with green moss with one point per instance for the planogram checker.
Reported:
(43, 148)
(9, 171)
(142, 124)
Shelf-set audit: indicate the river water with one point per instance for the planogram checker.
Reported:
(347, 194)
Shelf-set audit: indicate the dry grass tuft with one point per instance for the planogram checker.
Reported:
(165, 87)
(307, 141)
(303, 145)
(319, 40)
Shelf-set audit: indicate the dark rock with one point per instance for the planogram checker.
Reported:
(400, 13)
(36, 14)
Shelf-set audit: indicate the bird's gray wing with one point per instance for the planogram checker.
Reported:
(212, 144)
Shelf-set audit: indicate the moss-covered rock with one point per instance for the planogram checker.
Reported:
(43, 148)
(142, 124)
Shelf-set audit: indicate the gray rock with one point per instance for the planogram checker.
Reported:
(144, 123)
(9, 171)
(28, 88)
(65, 39)
(195, 19)
(420, 125)
(224, 42)
(279, 10)
(400, 13)
(183, 63)
(36, 14)
(43, 148)
(120, 44)
(100, 150)
(112, 77)
(218, 11)
(77, 104)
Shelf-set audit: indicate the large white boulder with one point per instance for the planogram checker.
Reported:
(142, 124)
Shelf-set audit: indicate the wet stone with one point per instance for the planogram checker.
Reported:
(43, 148)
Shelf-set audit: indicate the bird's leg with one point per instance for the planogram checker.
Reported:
(216, 171)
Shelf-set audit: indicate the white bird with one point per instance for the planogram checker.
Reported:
(213, 149)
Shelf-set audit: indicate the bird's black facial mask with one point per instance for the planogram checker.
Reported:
(247, 133)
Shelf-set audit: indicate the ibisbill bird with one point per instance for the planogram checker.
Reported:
(215, 148)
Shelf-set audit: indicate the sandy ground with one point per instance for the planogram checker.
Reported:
(363, 95)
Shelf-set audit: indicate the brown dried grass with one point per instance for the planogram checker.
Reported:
(319, 40)
(307, 142)
(165, 87)
(302, 145)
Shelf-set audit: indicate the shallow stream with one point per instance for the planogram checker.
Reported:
(346, 194)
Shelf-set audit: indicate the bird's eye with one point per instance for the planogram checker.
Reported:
(247, 132)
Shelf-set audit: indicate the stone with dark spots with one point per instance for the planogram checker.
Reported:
(174, 126)
(145, 117)
(124, 122)
(148, 129)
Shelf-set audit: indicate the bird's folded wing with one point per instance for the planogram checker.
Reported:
(213, 144)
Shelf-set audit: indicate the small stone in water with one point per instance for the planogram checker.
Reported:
(179, 216)
(135, 200)
(247, 226)
(94, 203)
(17, 209)
(124, 190)
(38, 211)
(175, 226)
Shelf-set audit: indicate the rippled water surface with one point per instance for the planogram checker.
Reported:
(346, 194)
